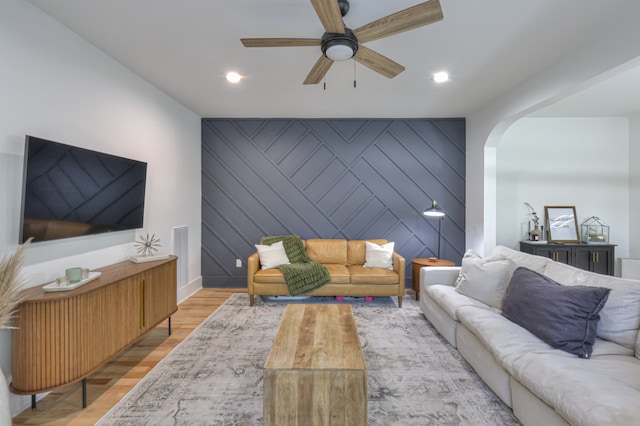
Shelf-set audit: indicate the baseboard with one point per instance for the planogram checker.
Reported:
(189, 289)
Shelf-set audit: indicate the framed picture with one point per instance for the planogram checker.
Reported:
(561, 224)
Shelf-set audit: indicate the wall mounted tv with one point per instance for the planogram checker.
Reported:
(69, 191)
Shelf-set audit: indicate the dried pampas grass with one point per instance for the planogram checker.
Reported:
(11, 283)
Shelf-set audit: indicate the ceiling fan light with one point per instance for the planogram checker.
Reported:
(339, 47)
(339, 52)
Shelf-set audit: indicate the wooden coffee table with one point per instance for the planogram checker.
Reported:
(421, 262)
(316, 373)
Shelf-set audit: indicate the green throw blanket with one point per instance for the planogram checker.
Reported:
(303, 274)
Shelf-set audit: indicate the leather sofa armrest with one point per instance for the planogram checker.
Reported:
(399, 265)
(253, 265)
(443, 275)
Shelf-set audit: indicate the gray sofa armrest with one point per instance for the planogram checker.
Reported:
(443, 275)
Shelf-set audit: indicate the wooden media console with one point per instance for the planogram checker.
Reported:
(62, 337)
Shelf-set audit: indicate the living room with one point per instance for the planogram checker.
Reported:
(58, 86)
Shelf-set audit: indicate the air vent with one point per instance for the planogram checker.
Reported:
(180, 247)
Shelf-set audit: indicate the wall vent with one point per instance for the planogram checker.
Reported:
(180, 247)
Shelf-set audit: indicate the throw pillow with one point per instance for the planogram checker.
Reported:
(620, 317)
(565, 317)
(272, 256)
(485, 280)
(378, 256)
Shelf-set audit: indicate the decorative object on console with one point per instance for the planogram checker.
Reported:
(74, 274)
(561, 224)
(64, 284)
(147, 249)
(535, 234)
(11, 283)
(593, 231)
(147, 246)
(436, 211)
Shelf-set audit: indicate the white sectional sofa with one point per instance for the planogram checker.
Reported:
(543, 385)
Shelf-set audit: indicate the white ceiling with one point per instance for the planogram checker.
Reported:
(186, 47)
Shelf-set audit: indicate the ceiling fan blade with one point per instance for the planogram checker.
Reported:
(377, 62)
(280, 42)
(408, 19)
(329, 13)
(319, 70)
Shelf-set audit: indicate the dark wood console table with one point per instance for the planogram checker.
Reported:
(598, 258)
(62, 337)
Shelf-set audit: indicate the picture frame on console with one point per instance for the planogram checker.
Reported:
(561, 224)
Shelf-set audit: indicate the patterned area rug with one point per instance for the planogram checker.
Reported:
(214, 377)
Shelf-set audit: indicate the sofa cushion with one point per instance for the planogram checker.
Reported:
(529, 261)
(604, 390)
(506, 340)
(356, 250)
(485, 280)
(327, 250)
(450, 300)
(362, 275)
(272, 256)
(566, 317)
(339, 273)
(378, 256)
(620, 317)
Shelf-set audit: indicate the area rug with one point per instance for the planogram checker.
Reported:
(214, 377)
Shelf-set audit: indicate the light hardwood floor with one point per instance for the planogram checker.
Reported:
(110, 383)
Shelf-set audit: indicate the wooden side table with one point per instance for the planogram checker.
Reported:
(421, 262)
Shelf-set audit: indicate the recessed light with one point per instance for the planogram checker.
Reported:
(440, 77)
(233, 77)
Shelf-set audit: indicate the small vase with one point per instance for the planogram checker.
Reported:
(5, 406)
(536, 234)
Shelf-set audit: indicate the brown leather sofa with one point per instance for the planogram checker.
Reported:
(344, 259)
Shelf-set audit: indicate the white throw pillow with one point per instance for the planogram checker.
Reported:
(485, 280)
(272, 256)
(378, 256)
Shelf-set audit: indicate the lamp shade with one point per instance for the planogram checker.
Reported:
(434, 210)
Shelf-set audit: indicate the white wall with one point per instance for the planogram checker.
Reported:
(56, 86)
(581, 162)
(634, 186)
(612, 50)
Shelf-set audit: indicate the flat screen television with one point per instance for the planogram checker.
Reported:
(69, 191)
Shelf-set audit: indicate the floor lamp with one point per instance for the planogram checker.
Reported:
(436, 211)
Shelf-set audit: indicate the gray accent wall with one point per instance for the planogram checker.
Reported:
(329, 178)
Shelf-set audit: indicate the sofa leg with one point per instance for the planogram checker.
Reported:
(399, 301)
(251, 300)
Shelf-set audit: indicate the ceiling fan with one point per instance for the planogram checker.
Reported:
(340, 43)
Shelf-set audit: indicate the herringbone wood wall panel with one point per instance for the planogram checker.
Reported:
(333, 178)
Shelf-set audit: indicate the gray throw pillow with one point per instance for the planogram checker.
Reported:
(565, 317)
(485, 280)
